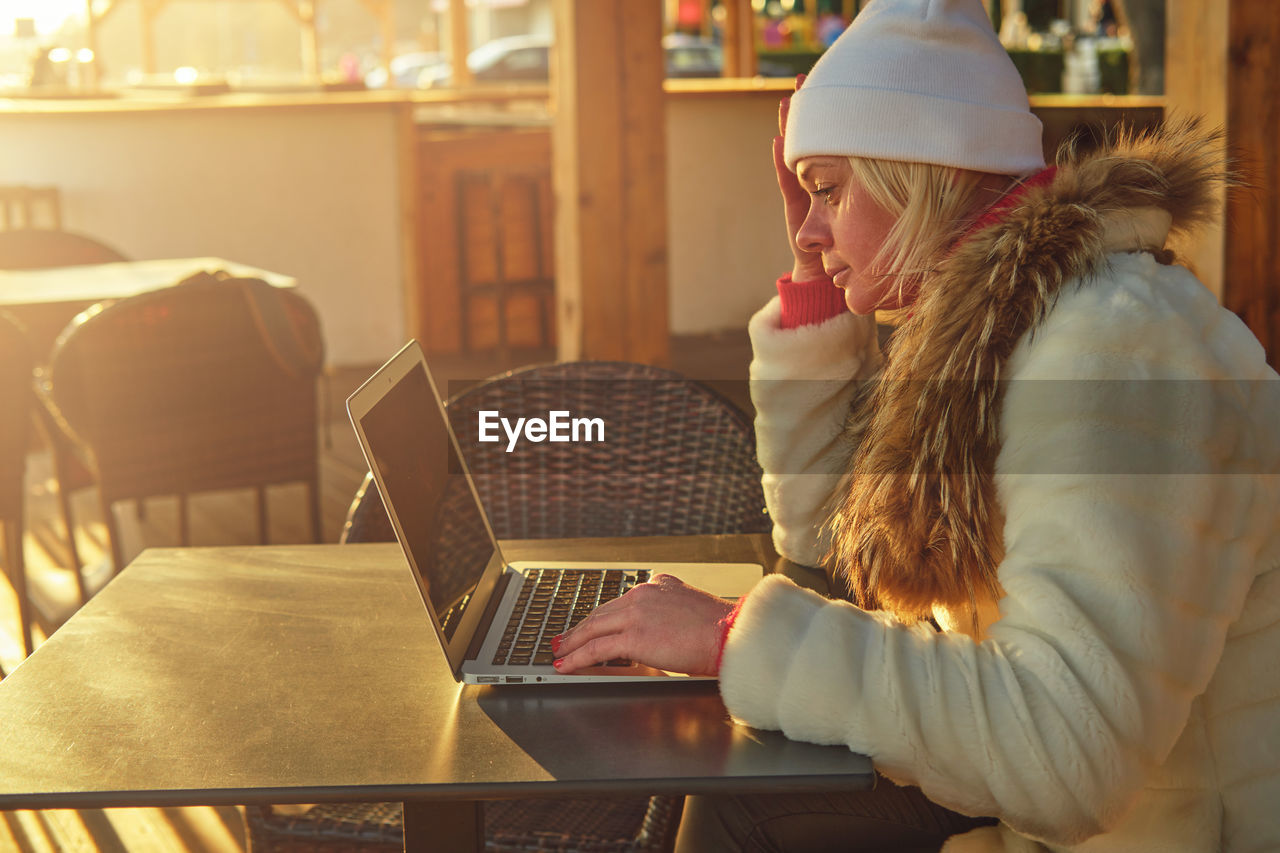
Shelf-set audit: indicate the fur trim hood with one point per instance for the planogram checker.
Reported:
(917, 523)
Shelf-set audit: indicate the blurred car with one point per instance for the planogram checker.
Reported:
(692, 56)
(405, 70)
(513, 58)
(528, 58)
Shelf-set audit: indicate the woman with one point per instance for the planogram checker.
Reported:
(1055, 506)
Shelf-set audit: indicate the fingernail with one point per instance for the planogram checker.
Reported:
(555, 642)
(558, 662)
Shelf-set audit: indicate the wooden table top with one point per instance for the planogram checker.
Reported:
(96, 282)
(311, 673)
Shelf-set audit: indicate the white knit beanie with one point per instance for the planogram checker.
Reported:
(924, 81)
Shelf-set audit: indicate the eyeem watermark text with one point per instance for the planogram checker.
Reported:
(558, 425)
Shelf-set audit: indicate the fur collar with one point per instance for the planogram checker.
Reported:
(918, 524)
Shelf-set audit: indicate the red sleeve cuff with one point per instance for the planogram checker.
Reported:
(808, 303)
(726, 623)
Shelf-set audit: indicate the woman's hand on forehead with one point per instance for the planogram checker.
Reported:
(795, 200)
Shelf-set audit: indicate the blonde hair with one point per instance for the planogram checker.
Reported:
(932, 207)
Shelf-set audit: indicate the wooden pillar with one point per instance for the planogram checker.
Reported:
(1251, 273)
(459, 42)
(610, 174)
(670, 14)
(385, 12)
(1196, 84)
(150, 9)
(310, 39)
(1223, 63)
(94, 17)
(739, 39)
(387, 23)
(811, 22)
(304, 12)
(91, 42)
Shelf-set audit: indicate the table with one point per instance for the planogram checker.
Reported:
(95, 282)
(291, 674)
(47, 299)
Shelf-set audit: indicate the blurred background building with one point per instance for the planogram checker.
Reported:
(1076, 46)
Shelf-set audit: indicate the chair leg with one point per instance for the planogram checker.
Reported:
(545, 307)
(64, 502)
(504, 346)
(184, 521)
(496, 192)
(17, 566)
(264, 524)
(326, 393)
(313, 498)
(113, 537)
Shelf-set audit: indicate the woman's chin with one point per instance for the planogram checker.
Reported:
(861, 301)
(868, 300)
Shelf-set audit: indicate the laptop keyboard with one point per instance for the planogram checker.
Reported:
(551, 602)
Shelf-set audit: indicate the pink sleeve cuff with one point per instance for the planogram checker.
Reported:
(808, 303)
(726, 623)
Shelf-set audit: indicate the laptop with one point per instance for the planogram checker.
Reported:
(494, 619)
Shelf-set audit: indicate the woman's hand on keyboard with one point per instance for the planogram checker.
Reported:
(664, 623)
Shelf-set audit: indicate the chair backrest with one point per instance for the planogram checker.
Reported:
(21, 206)
(210, 384)
(15, 414)
(37, 248)
(678, 458)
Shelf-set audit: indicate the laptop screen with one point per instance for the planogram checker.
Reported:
(444, 532)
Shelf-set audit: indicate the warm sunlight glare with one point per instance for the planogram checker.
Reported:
(49, 15)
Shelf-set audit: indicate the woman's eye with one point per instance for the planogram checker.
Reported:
(824, 193)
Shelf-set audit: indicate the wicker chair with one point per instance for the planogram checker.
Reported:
(15, 421)
(38, 248)
(208, 385)
(679, 459)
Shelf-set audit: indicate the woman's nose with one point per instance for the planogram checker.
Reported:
(814, 234)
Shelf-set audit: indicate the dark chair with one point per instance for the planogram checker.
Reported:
(20, 206)
(16, 365)
(209, 385)
(680, 459)
(40, 248)
(37, 248)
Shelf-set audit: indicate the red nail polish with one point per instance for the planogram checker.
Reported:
(555, 642)
(558, 663)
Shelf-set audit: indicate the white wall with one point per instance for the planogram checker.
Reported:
(727, 240)
(313, 193)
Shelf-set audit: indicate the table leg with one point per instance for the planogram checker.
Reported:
(443, 825)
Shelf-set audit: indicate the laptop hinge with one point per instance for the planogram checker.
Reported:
(486, 619)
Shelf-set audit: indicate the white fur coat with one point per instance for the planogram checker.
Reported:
(1123, 692)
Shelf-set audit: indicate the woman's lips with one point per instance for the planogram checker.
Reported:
(839, 276)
